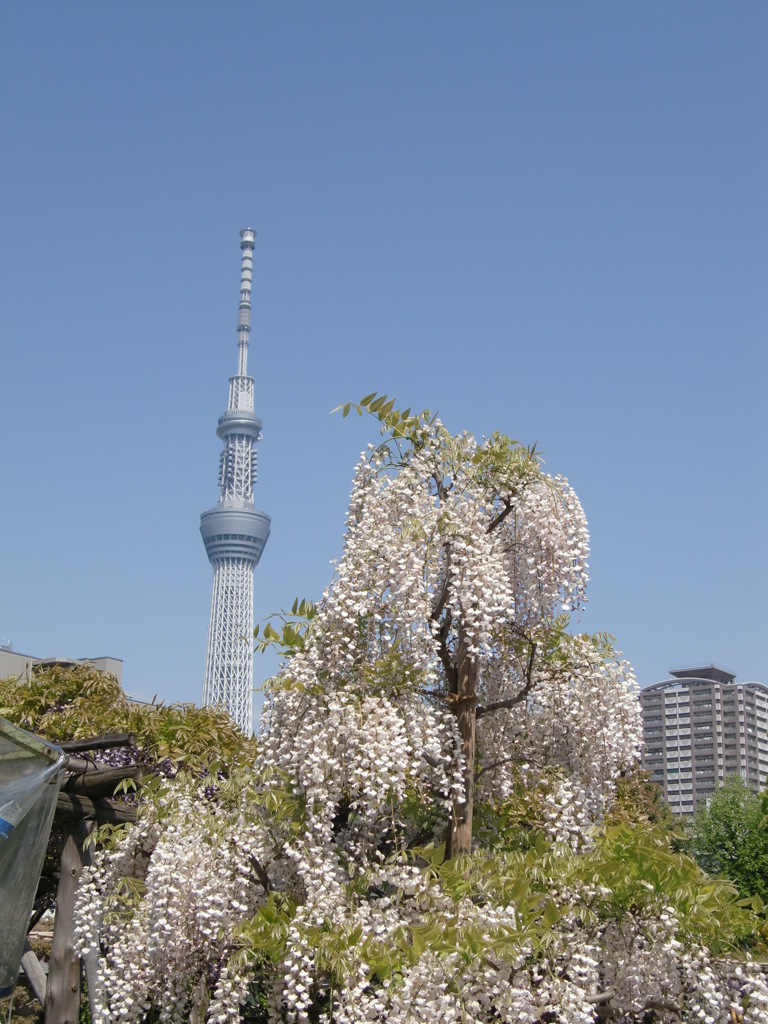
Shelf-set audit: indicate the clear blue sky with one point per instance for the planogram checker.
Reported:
(549, 219)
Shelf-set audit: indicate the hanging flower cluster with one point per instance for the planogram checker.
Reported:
(583, 717)
(330, 882)
(161, 906)
(513, 549)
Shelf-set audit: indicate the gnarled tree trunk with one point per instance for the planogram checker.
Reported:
(464, 706)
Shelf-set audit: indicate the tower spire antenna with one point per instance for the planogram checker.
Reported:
(235, 532)
(247, 238)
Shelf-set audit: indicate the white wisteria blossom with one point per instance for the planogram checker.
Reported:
(460, 560)
(433, 829)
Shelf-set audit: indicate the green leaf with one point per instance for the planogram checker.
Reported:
(551, 914)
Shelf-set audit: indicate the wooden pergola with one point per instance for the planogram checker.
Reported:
(84, 802)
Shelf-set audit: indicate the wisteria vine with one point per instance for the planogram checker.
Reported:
(315, 886)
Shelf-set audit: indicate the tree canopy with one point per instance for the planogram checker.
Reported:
(67, 702)
(729, 837)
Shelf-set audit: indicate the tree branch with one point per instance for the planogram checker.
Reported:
(437, 609)
(506, 760)
(261, 874)
(451, 672)
(442, 490)
(600, 997)
(499, 519)
(666, 1005)
(519, 697)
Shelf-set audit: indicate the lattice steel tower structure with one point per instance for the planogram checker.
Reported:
(235, 532)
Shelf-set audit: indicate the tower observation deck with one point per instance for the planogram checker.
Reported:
(235, 532)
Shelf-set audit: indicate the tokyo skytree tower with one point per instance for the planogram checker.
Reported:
(234, 533)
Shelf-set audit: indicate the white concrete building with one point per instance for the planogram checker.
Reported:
(12, 663)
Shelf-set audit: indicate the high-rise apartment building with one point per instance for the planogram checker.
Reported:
(235, 532)
(701, 726)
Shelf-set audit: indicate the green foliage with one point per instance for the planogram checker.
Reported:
(263, 939)
(502, 465)
(64, 703)
(290, 637)
(630, 872)
(730, 837)
(640, 800)
(638, 871)
(121, 905)
(390, 674)
(519, 821)
(635, 866)
(400, 425)
(397, 422)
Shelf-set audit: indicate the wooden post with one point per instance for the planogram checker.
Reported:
(35, 973)
(62, 997)
(90, 959)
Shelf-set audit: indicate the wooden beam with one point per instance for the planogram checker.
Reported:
(111, 739)
(73, 807)
(100, 782)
